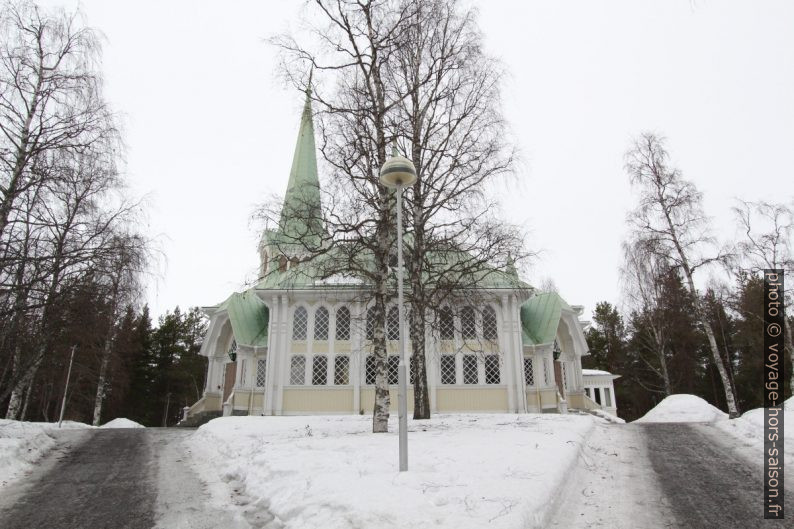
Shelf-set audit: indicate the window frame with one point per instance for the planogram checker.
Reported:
(322, 310)
(492, 358)
(292, 370)
(323, 371)
(305, 324)
(261, 369)
(443, 372)
(346, 324)
(337, 360)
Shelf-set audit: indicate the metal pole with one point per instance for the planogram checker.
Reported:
(66, 387)
(402, 396)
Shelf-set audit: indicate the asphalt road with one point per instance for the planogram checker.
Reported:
(101, 482)
(706, 483)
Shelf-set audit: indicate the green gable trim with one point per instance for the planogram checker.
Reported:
(249, 317)
(540, 317)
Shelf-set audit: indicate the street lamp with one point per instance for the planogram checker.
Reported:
(399, 172)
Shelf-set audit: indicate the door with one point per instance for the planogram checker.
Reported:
(228, 379)
(558, 377)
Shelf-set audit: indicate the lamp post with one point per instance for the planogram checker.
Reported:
(399, 172)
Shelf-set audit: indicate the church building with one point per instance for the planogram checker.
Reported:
(299, 343)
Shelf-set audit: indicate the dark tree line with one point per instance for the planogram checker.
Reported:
(152, 371)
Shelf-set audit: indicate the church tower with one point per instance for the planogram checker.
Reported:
(300, 229)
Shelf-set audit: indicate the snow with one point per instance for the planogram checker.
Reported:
(22, 444)
(594, 372)
(465, 471)
(748, 430)
(683, 408)
(122, 423)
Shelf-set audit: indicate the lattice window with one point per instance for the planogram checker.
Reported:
(446, 325)
(529, 374)
(448, 369)
(469, 369)
(232, 349)
(411, 366)
(492, 369)
(341, 370)
(297, 370)
(321, 324)
(319, 370)
(394, 362)
(546, 371)
(371, 323)
(343, 324)
(300, 324)
(564, 373)
(261, 372)
(468, 330)
(393, 324)
(489, 331)
(370, 370)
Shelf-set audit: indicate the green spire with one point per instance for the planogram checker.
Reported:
(301, 217)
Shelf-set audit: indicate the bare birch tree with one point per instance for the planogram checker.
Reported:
(670, 219)
(766, 243)
(642, 274)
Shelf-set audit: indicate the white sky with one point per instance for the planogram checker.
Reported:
(210, 128)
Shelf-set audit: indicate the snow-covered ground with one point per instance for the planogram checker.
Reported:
(683, 408)
(466, 471)
(749, 431)
(23, 443)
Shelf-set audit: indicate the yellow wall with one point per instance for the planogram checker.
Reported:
(546, 398)
(298, 347)
(317, 400)
(241, 399)
(368, 399)
(471, 399)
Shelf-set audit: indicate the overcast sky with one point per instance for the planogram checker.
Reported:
(210, 128)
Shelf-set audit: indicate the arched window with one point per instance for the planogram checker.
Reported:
(468, 330)
(446, 325)
(393, 324)
(299, 324)
(371, 323)
(343, 324)
(321, 324)
(489, 331)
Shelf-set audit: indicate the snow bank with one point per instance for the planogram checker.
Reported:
(24, 443)
(466, 471)
(594, 372)
(749, 430)
(122, 423)
(683, 408)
